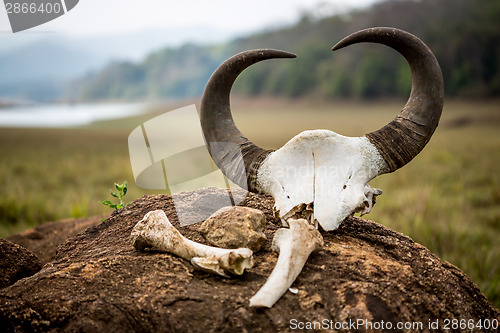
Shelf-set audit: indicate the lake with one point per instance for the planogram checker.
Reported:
(65, 115)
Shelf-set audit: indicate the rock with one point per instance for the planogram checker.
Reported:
(98, 282)
(16, 263)
(234, 227)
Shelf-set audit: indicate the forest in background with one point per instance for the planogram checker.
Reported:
(463, 34)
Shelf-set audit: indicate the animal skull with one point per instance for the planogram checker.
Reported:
(316, 166)
(321, 174)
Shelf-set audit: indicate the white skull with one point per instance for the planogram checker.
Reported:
(326, 169)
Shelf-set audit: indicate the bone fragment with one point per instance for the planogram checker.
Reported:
(155, 230)
(294, 246)
(371, 194)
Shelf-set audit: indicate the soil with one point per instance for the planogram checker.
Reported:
(365, 274)
(16, 263)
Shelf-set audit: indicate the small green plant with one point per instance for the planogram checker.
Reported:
(121, 190)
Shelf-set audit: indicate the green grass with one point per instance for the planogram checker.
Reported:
(447, 198)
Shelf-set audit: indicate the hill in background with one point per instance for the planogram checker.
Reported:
(463, 34)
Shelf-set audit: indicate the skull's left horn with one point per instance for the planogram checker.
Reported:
(225, 142)
(403, 138)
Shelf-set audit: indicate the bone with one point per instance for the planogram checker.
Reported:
(322, 167)
(325, 170)
(371, 194)
(155, 230)
(294, 246)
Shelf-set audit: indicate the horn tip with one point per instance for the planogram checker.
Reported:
(285, 54)
(337, 47)
(263, 54)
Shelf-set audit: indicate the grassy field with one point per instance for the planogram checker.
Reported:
(447, 198)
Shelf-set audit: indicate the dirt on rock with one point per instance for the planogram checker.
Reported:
(365, 274)
(44, 239)
(16, 263)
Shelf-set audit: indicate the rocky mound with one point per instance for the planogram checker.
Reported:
(366, 274)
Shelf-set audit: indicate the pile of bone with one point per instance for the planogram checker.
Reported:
(234, 242)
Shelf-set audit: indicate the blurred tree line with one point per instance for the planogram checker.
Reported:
(463, 34)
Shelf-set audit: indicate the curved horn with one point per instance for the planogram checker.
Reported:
(225, 142)
(403, 138)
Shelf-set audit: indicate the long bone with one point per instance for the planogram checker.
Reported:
(294, 246)
(155, 230)
(322, 169)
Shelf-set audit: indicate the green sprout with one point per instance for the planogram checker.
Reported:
(121, 191)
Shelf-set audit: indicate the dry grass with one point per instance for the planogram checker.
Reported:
(447, 199)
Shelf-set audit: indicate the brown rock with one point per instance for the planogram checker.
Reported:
(16, 263)
(235, 227)
(98, 282)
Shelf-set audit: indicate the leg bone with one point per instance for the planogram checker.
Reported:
(155, 230)
(294, 246)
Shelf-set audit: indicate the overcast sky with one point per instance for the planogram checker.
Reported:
(97, 17)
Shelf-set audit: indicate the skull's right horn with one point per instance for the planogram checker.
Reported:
(403, 138)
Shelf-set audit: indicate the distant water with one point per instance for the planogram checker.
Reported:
(65, 115)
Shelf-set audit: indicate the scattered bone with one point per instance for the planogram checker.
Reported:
(235, 227)
(155, 230)
(294, 246)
